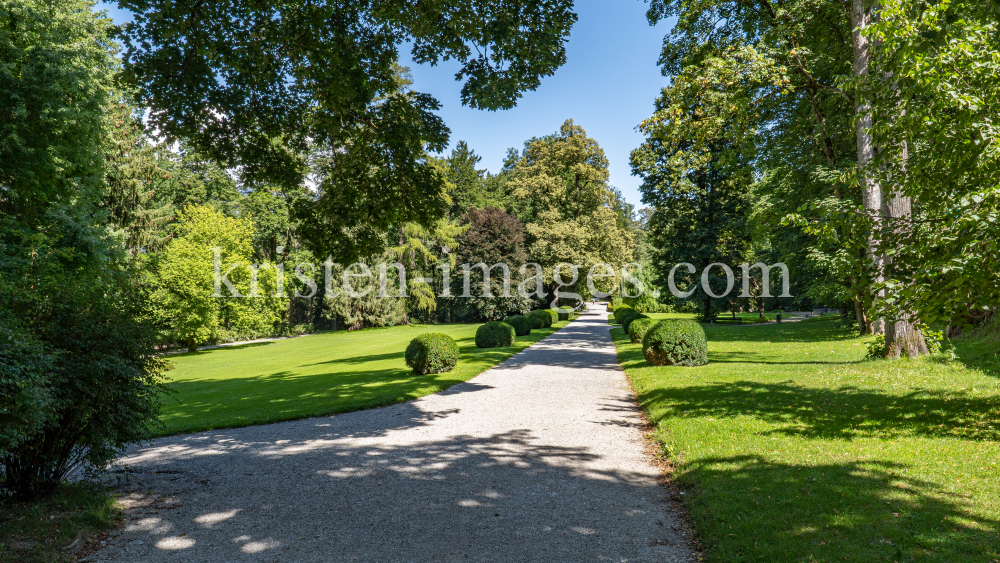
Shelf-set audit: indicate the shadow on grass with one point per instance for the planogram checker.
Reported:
(758, 358)
(820, 329)
(856, 511)
(842, 413)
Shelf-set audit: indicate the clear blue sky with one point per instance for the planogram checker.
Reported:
(607, 86)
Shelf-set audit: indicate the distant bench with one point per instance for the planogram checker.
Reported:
(721, 320)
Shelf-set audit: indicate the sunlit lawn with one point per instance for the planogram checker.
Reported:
(790, 448)
(314, 375)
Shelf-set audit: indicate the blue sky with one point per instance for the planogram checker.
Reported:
(607, 86)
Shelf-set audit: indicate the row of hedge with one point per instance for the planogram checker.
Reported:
(438, 353)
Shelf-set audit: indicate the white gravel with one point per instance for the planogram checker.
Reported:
(538, 459)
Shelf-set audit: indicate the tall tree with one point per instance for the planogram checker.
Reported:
(254, 84)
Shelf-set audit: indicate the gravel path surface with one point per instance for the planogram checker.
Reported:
(539, 459)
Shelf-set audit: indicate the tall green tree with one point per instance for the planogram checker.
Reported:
(255, 84)
(78, 376)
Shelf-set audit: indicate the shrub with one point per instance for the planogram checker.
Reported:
(495, 334)
(639, 327)
(554, 316)
(621, 310)
(676, 343)
(625, 316)
(627, 320)
(432, 353)
(540, 319)
(521, 324)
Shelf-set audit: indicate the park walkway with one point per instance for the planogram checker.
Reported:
(539, 459)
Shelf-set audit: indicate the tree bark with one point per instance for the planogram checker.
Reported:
(901, 335)
(861, 16)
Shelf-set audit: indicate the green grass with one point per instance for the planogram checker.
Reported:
(314, 375)
(39, 532)
(790, 448)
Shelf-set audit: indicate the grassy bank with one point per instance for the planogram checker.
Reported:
(314, 375)
(790, 448)
(56, 529)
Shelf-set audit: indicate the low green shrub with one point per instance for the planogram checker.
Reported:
(495, 334)
(432, 353)
(521, 324)
(627, 320)
(621, 310)
(639, 327)
(540, 319)
(676, 343)
(554, 316)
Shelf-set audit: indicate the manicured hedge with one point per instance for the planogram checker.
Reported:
(521, 324)
(554, 315)
(628, 319)
(540, 319)
(432, 353)
(621, 310)
(495, 334)
(639, 327)
(676, 343)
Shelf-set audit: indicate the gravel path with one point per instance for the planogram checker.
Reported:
(538, 459)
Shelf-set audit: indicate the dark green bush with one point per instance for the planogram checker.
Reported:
(521, 324)
(495, 334)
(625, 316)
(560, 315)
(639, 327)
(621, 310)
(540, 319)
(432, 353)
(628, 319)
(553, 316)
(676, 343)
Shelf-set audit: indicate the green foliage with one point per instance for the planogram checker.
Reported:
(185, 278)
(540, 319)
(621, 310)
(876, 348)
(629, 318)
(521, 324)
(676, 343)
(553, 316)
(495, 334)
(638, 328)
(78, 372)
(432, 353)
(25, 397)
(338, 86)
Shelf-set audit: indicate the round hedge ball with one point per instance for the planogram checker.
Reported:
(676, 343)
(625, 316)
(627, 320)
(553, 315)
(638, 328)
(621, 310)
(432, 353)
(540, 319)
(495, 334)
(521, 324)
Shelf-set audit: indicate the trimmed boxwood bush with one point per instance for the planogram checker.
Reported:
(638, 328)
(432, 353)
(521, 324)
(540, 319)
(628, 319)
(495, 334)
(554, 315)
(626, 315)
(621, 310)
(676, 343)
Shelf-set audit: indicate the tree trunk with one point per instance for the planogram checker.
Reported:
(192, 345)
(871, 190)
(901, 336)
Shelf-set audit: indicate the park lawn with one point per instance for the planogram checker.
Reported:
(314, 375)
(789, 447)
